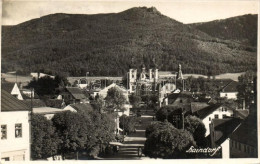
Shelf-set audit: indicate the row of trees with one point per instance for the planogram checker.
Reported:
(164, 140)
(71, 132)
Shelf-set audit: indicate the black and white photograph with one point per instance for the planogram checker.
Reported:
(85, 80)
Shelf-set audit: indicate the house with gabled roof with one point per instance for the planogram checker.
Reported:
(15, 136)
(230, 90)
(13, 89)
(220, 133)
(72, 95)
(215, 111)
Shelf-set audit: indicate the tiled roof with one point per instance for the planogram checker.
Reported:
(231, 87)
(10, 103)
(35, 102)
(247, 132)
(55, 103)
(208, 110)
(196, 106)
(76, 93)
(82, 107)
(223, 128)
(7, 86)
(221, 83)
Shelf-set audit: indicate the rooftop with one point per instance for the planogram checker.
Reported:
(231, 87)
(47, 110)
(223, 128)
(76, 92)
(10, 103)
(7, 86)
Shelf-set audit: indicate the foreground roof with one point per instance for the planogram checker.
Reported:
(7, 86)
(10, 103)
(223, 128)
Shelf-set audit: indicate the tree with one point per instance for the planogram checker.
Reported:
(87, 130)
(44, 138)
(168, 142)
(115, 99)
(127, 123)
(135, 100)
(245, 88)
(164, 113)
(197, 128)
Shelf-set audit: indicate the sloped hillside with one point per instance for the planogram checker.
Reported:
(106, 44)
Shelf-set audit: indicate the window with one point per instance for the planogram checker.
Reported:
(18, 130)
(209, 119)
(133, 76)
(5, 159)
(215, 116)
(180, 101)
(225, 109)
(224, 116)
(3, 132)
(226, 94)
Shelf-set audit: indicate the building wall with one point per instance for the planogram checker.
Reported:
(229, 95)
(225, 146)
(220, 113)
(241, 150)
(15, 148)
(16, 91)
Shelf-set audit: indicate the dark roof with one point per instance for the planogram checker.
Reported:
(196, 106)
(247, 132)
(55, 103)
(35, 102)
(208, 110)
(221, 83)
(223, 128)
(76, 93)
(82, 107)
(10, 103)
(231, 87)
(7, 86)
(241, 113)
(173, 97)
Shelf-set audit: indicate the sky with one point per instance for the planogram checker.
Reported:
(185, 11)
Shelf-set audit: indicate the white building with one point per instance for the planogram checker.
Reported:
(15, 134)
(230, 91)
(218, 111)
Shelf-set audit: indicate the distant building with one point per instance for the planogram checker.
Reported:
(79, 107)
(72, 95)
(144, 83)
(15, 134)
(47, 112)
(40, 75)
(13, 89)
(230, 90)
(165, 90)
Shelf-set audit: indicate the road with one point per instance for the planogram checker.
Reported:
(134, 141)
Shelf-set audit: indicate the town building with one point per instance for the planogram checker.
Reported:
(229, 91)
(215, 111)
(15, 133)
(142, 83)
(220, 133)
(72, 95)
(13, 89)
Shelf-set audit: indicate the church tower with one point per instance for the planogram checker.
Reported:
(179, 74)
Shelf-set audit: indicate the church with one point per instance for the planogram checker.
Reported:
(147, 82)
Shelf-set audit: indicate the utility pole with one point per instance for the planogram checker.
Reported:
(30, 126)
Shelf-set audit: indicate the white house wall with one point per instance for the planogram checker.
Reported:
(15, 148)
(229, 95)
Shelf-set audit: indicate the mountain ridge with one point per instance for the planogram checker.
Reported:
(104, 44)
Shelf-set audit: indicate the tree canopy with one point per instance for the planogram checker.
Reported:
(168, 142)
(115, 99)
(45, 140)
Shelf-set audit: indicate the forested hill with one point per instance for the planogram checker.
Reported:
(105, 44)
(241, 28)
